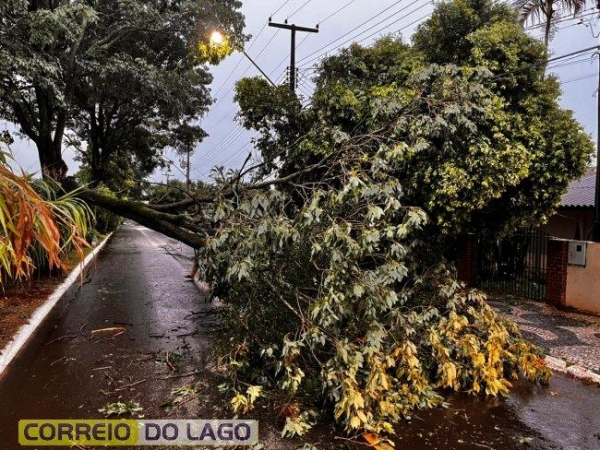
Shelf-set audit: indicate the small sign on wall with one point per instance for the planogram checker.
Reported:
(577, 253)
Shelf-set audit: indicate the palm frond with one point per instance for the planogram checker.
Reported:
(37, 227)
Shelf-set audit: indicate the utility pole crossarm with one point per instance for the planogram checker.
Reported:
(293, 28)
(286, 26)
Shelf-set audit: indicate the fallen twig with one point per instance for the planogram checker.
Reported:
(119, 330)
(127, 386)
(177, 405)
(68, 336)
(198, 313)
(58, 360)
(189, 374)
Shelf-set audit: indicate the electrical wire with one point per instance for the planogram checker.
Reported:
(353, 29)
(299, 9)
(247, 68)
(336, 11)
(280, 8)
(380, 29)
(585, 77)
(308, 34)
(396, 21)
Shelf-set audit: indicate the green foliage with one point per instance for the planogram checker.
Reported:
(275, 112)
(444, 37)
(121, 409)
(124, 76)
(106, 221)
(331, 302)
(335, 282)
(495, 152)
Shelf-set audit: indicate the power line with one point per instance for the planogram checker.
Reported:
(336, 11)
(225, 142)
(230, 75)
(247, 68)
(353, 29)
(289, 54)
(306, 3)
(254, 40)
(396, 21)
(225, 116)
(307, 36)
(279, 9)
(380, 29)
(585, 13)
(585, 77)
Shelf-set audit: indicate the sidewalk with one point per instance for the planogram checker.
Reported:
(571, 336)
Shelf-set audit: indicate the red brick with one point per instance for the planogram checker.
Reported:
(556, 273)
(467, 260)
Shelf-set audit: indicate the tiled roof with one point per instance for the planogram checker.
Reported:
(581, 193)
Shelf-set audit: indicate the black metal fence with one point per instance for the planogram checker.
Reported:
(514, 265)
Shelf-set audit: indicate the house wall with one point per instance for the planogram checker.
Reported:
(565, 222)
(583, 283)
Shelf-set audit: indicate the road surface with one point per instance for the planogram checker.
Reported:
(69, 369)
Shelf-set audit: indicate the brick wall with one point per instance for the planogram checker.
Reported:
(556, 274)
(467, 260)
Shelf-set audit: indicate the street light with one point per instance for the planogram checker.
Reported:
(217, 38)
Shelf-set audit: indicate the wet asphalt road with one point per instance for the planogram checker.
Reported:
(68, 369)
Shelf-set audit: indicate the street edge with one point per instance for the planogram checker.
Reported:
(24, 333)
(578, 372)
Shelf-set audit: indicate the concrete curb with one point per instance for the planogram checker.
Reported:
(581, 373)
(20, 338)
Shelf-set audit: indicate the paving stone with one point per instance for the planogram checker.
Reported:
(571, 336)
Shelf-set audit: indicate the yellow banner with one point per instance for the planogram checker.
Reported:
(78, 432)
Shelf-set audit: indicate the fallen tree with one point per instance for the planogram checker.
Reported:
(331, 251)
(336, 290)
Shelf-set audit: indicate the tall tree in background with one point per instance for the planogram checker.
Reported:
(511, 174)
(547, 12)
(123, 75)
(555, 147)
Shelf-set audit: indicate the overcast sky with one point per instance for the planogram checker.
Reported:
(356, 21)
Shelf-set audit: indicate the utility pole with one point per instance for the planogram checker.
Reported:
(293, 29)
(596, 229)
(188, 182)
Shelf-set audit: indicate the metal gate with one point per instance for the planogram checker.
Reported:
(515, 265)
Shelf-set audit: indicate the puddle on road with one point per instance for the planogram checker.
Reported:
(563, 415)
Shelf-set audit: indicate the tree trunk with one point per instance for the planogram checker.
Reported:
(549, 13)
(547, 32)
(159, 221)
(51, 161)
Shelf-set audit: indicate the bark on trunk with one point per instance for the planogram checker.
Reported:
(51, 161)
(159, 221)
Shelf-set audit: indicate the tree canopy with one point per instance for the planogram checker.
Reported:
(498, 161)
(337, 288)
(123, 78)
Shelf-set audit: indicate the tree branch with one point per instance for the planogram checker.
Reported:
(146, 216)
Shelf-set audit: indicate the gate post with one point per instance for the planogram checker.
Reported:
(467, 259)
(556, 273)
